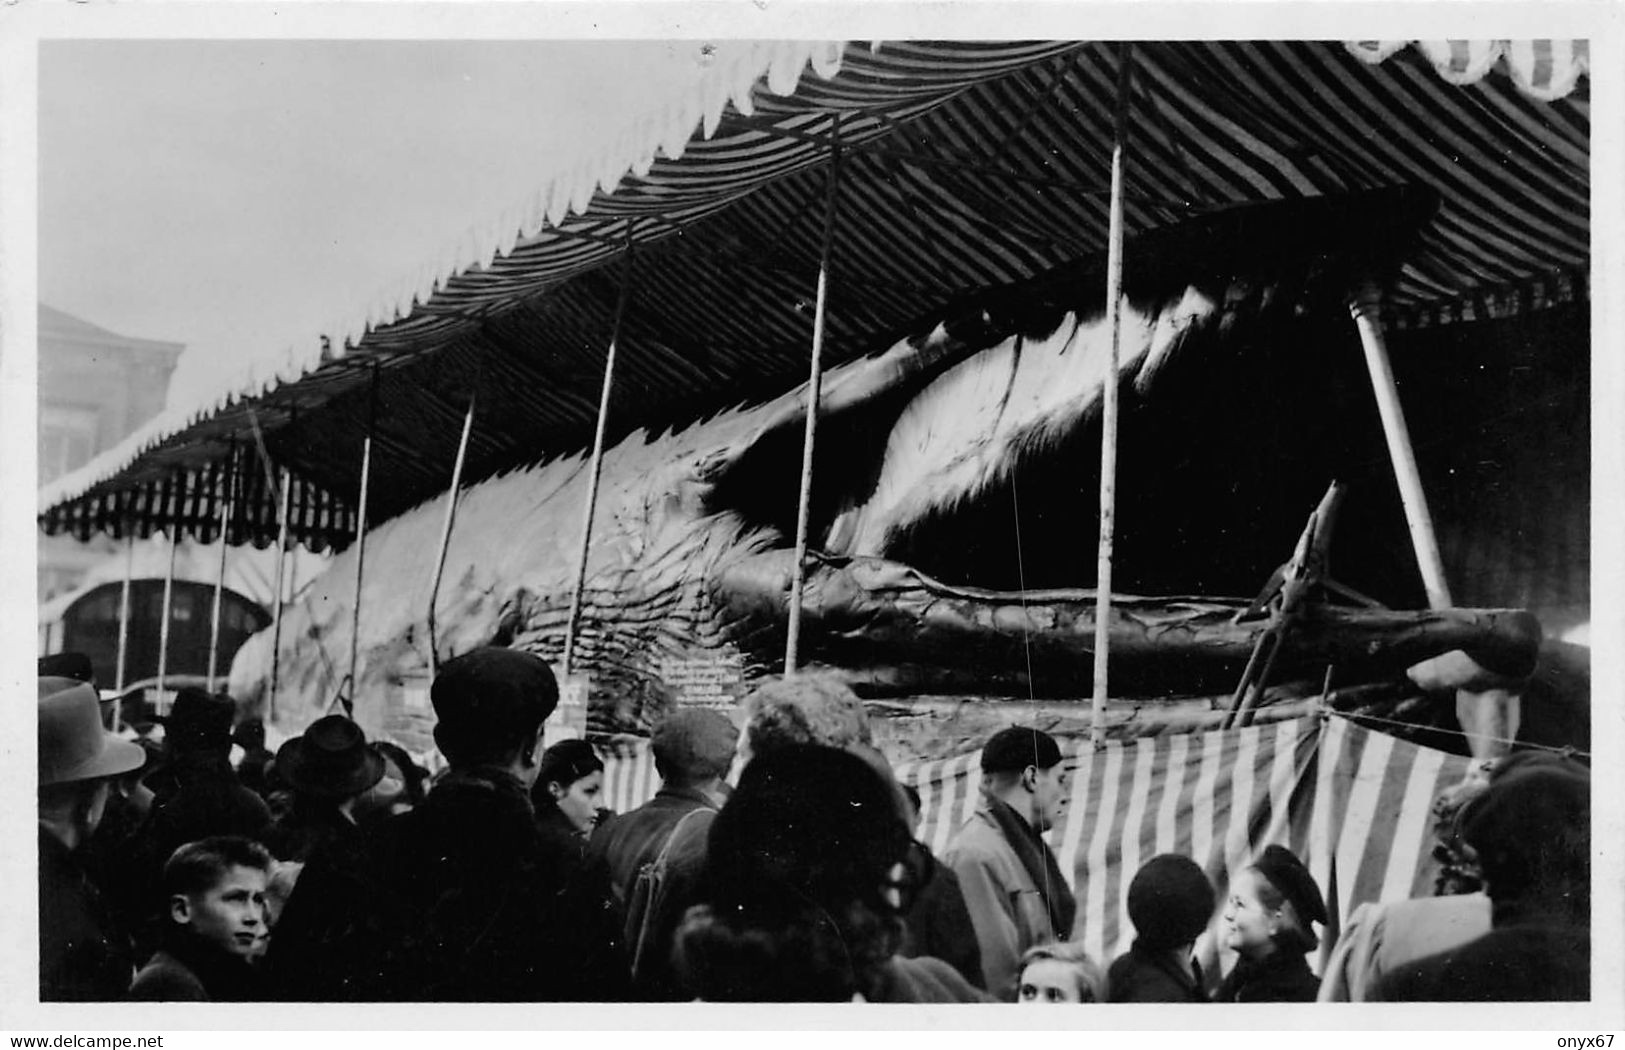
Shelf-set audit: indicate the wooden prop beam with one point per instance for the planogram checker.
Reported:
(446, 527)
(815, 379)
(347, 698)
(1364, 308)
(227, 485)
(124, 613)
(277, 599)
(163, 624)
(1108, 415)
(572, 626)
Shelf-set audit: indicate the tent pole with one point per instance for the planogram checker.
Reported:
(595, 466)
(276, 599)
(124, 612)
(163, 624)
(815, 376)
(348, 699)
(445, 529)
(1108, 416)
(220, 578)
(1363, 305)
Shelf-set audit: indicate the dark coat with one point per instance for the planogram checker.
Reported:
(307, 826)
(624, 845)
(1527, 963)
(1283, 977)
(188, 969)
(455, 900)
(84, 954)
(1141, 975)
(939, 926)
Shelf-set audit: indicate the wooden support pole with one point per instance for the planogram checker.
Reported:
(595, 465)
(445, 530)
(163, 623)
(124, 613)
(277, 600)
(1363, 305)
(227, 494)
(1108, 416)
(815, 378)
(347, 698)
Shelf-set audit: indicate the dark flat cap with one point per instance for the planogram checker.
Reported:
(493, 694)
(695, 742)
(1287, 874)
(1170, 901)
(1014, 749)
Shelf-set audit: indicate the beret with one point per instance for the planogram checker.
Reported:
(1170, 901)
(1287, 874)
(1014, 749)
(567, 762)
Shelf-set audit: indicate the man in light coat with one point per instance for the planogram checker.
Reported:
(1012, 884)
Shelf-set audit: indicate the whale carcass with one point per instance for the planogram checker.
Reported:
(928, 578)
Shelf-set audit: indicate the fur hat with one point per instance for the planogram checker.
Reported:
(73, 743)
(1287, 874)
(695, 743)
(1170, 901)
(1014, 749)
(330, 759)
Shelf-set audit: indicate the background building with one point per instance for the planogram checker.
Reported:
(95, 388)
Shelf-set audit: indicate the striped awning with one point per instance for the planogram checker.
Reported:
(1353, 804)
(964, 165)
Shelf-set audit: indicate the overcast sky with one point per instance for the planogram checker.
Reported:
(237, 195)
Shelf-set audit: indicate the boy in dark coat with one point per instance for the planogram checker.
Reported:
(216, 923)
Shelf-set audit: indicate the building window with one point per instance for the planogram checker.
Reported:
(67, 439)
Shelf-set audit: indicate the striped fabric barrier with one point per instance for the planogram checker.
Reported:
(1354, 804)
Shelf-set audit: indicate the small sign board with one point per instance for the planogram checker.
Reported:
(569, 720)
(704, 679)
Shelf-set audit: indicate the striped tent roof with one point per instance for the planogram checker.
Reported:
(963, 165)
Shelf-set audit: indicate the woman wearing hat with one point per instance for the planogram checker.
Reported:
(1267, 922)
(1170, 901)
(327, 769)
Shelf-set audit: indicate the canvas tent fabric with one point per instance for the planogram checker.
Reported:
(1354, 804)
(965, 165)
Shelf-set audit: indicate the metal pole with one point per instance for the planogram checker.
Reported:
(348, 700)
(573, 624)
(124, 612)
(1363, 305)
(220, 577)
(163, 624)
(815, 376)
(277, 601)
(445, 533)
(1108, 416)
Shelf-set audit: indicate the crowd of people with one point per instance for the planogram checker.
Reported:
(337, 869)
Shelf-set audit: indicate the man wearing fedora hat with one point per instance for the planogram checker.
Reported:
(83, 956)
(327, 767)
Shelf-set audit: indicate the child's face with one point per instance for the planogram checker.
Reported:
(230, 914)
(1046, 981)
